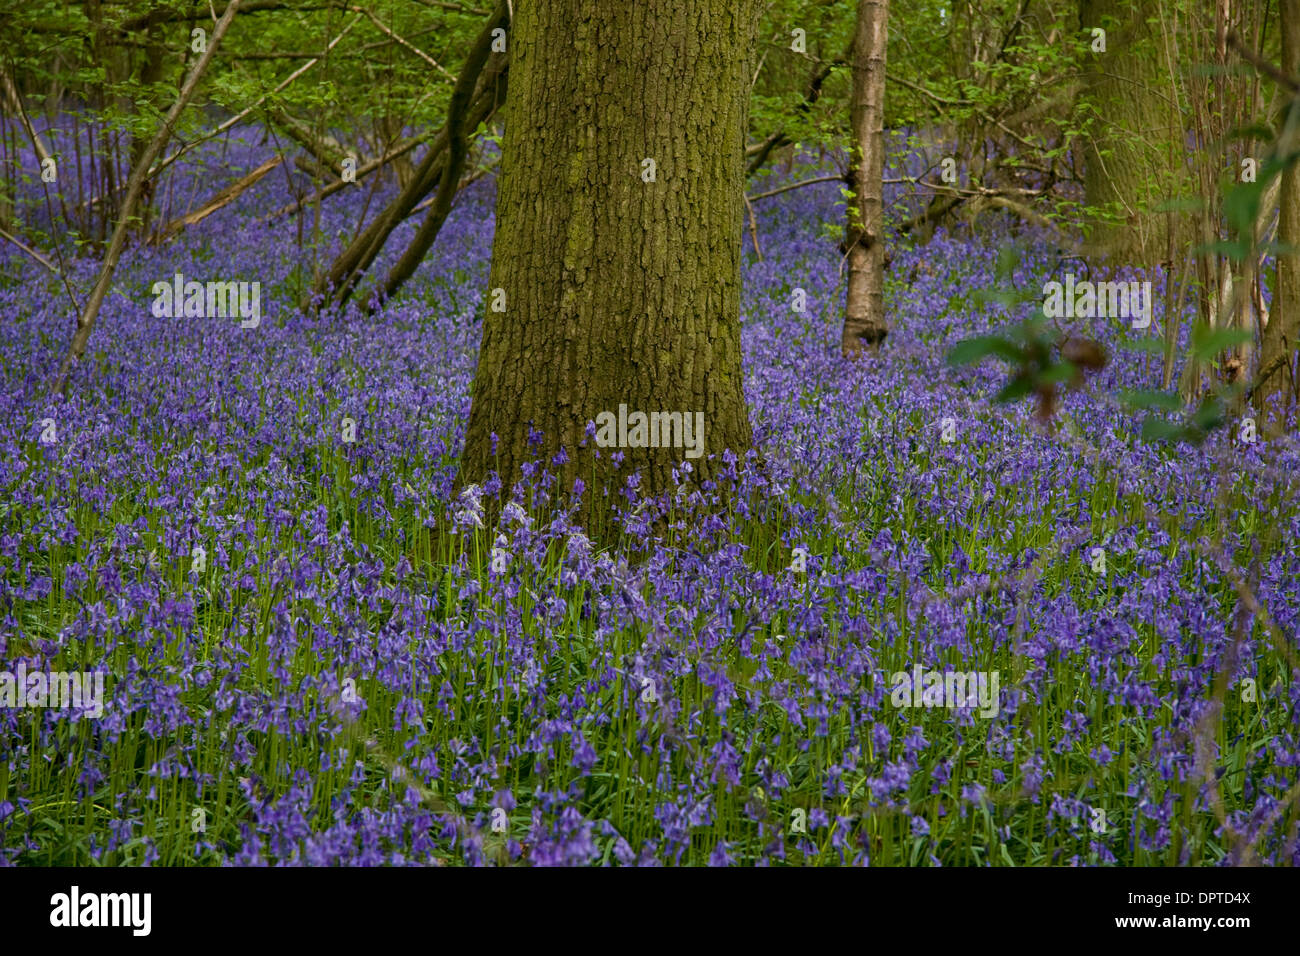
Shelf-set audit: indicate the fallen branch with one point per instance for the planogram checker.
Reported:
(933, 213)
(221, 199)
(1021, 210)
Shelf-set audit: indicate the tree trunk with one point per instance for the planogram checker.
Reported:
(1127, 169)
(1277, 360)
(620, 283)
(864, 311)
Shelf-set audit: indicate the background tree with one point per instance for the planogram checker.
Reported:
(617, 246)
(324, 81)
(134, 190)
(864, 311)
(1278, 385)
(1128, 169)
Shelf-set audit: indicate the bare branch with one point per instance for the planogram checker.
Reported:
(789, 186)
(406, 43)
(31, 252)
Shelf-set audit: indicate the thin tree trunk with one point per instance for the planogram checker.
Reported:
(619, 283)
(864, 311)
(134, 188)
(1277, 361)
(457, 131)
(351, 264)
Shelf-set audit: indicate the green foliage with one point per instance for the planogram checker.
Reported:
(1039, 362)
(1190, 425)
(100, 60)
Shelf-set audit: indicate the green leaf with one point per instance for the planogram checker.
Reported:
(1179, 205)
(1207, 343)
(1157, 429)
(981, 346)
(1018, 387)
(1148, 345)
(1008, 259)
(1142, 398)
(1259, 131)
(1235, 249)
(1210, 415)
(1241, 205)
(1058, 372)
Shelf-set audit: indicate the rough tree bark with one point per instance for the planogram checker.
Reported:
(618, 289)
(864, 311)
(1278, 386)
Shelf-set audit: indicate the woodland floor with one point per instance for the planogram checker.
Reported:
(329, 683)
